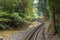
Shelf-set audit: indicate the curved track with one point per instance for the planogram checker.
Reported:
(36, 34)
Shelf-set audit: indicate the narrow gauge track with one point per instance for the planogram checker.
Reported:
(34, 33)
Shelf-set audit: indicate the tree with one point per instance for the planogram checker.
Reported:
(51, 8)
(15, 13)
(43, 7)
(54, 6)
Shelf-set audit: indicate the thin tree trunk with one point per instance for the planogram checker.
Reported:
(54, 22)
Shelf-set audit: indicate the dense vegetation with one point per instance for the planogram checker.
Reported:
(51, 10)
(15, 13)
(56, 12)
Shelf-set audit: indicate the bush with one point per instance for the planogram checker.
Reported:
(10, 20)
(15, 13)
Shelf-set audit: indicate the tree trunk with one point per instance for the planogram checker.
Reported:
(54, 22)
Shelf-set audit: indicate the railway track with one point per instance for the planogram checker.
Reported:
(36, 33)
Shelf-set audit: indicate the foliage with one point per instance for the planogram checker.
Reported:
(44, 8)
(15, 13)
(8, 19)
(52, 9)
(55, 5)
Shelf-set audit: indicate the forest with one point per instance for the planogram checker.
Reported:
(14, 13)
(17, 14)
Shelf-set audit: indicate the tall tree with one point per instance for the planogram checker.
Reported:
(15, 13)
(42, 7)
(51, 8)
(55, 7)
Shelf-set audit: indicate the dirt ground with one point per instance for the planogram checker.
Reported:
(7, 33)
(49, 33)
